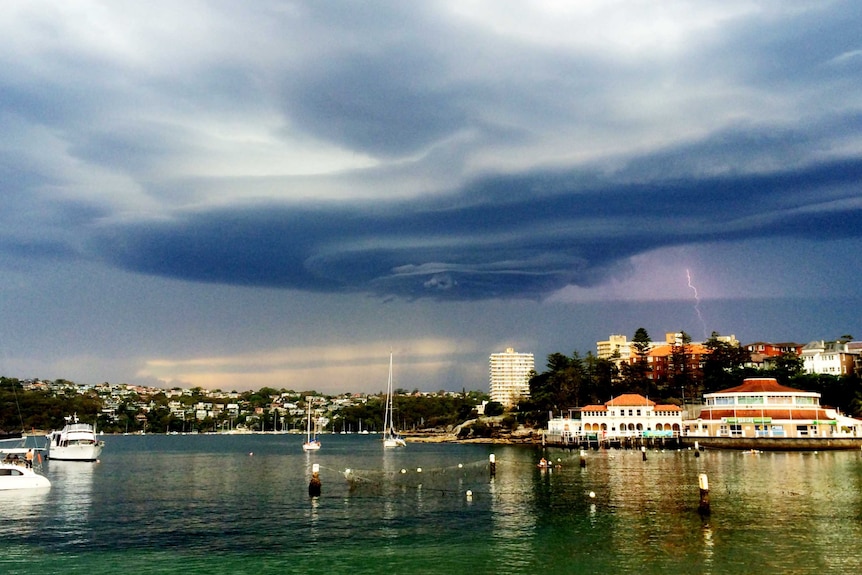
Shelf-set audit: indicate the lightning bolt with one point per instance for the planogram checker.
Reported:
(696, 302)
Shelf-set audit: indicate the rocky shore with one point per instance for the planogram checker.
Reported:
(520, 436)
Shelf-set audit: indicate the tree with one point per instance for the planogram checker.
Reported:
(641, 342)
(493, 408)
(681, 374)
(636, 374)
(724, 367)
(600, 377)
(561, 387)
(785, 367)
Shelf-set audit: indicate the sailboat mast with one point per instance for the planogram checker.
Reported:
(387, 414)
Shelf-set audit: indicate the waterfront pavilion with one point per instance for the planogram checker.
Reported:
(761, 407)
(627, 416)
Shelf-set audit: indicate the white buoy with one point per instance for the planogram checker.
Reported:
(418, 470)
(592, 494)
(403, 471)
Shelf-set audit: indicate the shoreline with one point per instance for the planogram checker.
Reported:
(530, 439)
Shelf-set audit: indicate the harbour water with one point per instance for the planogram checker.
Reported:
(239, 504)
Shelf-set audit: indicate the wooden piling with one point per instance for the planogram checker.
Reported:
(583, 458)
(703, 483)
(643, 452)
(493, 465)
(314, 486)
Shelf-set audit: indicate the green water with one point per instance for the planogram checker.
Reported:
(240, 504)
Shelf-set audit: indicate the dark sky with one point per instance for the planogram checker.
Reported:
(278, 193)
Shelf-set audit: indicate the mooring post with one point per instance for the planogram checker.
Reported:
(643, 452)
(703, 483)
(696, 449)
(493, 465)
(583, 458)
(314, 485)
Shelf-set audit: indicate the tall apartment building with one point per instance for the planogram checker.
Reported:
(510, 376)
(616, 346)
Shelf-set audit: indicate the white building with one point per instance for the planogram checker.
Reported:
(626, 416)
(510, 376)
(830, 357)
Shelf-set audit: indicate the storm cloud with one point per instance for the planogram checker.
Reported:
(433, 153)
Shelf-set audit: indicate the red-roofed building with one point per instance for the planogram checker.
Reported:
(767, 349)
(763, 354)
(661, 360)
(626, 416)
(761, 408)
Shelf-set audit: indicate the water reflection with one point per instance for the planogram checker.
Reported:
(514, 491)
(17, 506)
(707, 547)
(72, 492)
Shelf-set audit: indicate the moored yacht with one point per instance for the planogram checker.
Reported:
(75, 442)
(17, 472)
(390, 436)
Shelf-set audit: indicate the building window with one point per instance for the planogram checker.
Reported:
(736, 430)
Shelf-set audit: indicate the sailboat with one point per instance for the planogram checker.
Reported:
(311, 442)
(390, 436)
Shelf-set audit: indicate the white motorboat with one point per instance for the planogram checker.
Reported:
(17, 475)
(390, 436)
(75, 442)
(312, 443)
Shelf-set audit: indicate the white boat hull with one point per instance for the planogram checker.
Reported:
(87, 452)
(14, 476)
(311, 445)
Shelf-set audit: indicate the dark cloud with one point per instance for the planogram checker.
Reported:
(520, 236)
(381, 106)
(419, 152)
